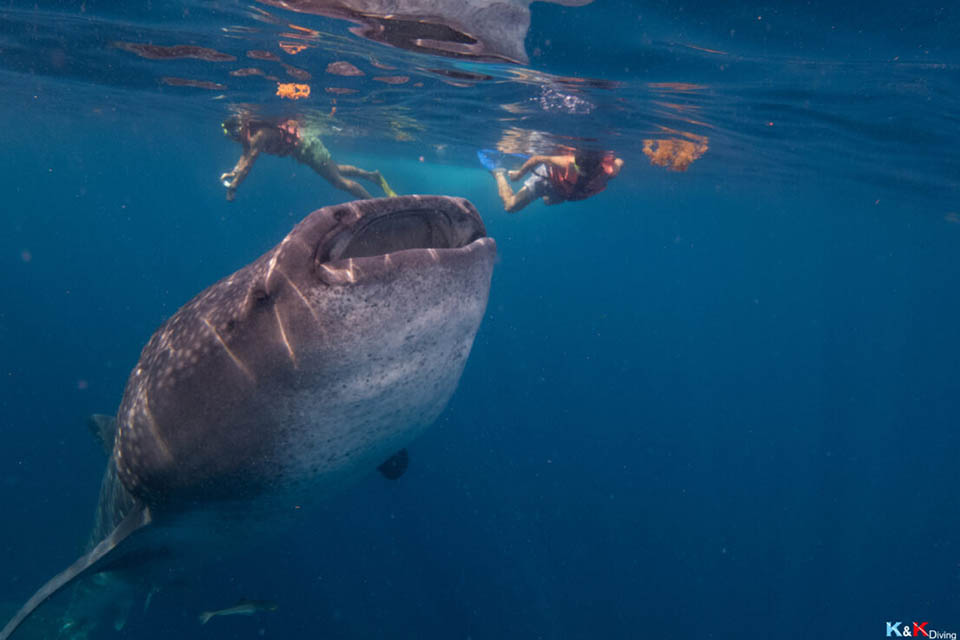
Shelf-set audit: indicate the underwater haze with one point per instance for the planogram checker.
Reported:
(718, 399)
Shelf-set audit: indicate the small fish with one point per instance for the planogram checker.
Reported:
(242, 608)
(146, 603)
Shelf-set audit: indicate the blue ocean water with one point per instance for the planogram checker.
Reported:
(708, 403)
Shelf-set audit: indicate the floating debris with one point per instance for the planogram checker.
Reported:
(292, 48)
(675, 154)
(292, 90)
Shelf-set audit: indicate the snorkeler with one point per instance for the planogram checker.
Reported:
(291, 138)
(556, 179)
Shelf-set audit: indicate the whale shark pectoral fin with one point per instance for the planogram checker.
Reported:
(393, 468)
(103, 427)
(136, 519)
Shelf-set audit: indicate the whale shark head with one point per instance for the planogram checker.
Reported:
(319, 359)
(296, 374)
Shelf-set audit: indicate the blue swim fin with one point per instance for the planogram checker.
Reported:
(491, 159)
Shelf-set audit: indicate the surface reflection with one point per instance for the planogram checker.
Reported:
(174, 52)
(190, 82)
(479, 29)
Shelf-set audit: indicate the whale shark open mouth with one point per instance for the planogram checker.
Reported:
(402, 224)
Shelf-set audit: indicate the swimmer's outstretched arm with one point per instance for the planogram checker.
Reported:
(533, 161)
(235, 176)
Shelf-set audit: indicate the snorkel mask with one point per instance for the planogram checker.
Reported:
(231, 127)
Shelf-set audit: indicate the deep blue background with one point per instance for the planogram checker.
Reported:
(698, 406)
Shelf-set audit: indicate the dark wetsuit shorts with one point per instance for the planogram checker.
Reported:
(540, 185)
(311, 150)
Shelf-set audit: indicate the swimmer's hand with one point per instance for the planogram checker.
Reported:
(514, 175)
(228, 179)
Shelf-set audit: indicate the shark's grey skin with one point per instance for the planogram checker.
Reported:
(492, 30)
(290, 378)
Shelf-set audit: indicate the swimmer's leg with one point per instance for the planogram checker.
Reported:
(512, 202)
(313, 154)
(331, 173)
(373, 176)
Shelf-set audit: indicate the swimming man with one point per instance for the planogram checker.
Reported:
(290, 138)
(559, 178)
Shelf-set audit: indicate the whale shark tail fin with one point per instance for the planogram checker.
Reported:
(137, 518)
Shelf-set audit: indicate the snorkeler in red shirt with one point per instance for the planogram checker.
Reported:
(291, 138)
(557, 179)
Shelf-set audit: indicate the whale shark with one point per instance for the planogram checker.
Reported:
(282, 383)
